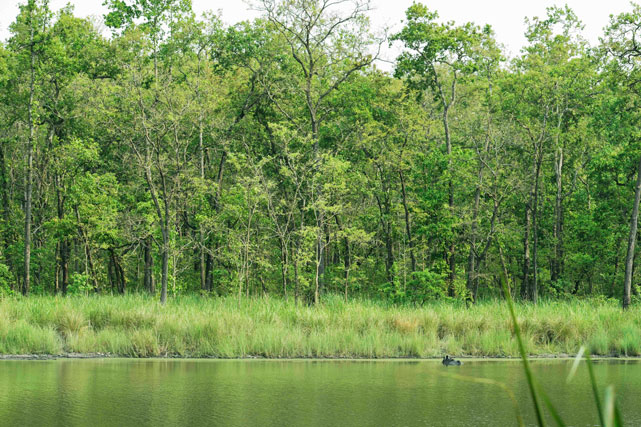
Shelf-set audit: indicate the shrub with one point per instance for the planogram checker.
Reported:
(79, 284)
(6, 280)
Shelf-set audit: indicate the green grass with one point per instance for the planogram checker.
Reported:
(138, 326)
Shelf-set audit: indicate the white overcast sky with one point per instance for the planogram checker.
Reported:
(505, 16)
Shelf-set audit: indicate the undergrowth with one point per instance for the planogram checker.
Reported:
(137, 326)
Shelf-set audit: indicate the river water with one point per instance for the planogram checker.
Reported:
(171, 392)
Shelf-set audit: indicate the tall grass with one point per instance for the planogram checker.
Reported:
(138, 326)
(609, 414)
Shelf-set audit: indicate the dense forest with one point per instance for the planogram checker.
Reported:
(165, 153)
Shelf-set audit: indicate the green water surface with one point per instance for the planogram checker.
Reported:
(167, 392)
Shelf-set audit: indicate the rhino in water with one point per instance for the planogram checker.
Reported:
(448, 361)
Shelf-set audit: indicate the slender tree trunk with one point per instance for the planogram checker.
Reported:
(29, 168)
(64, 265)
(89, 260)
(450, 201)
(534, 294)
(488, 242)
(4, 197)
(348, 265)
(110, 273)
(148, 270)
(629, 258)
(283, 265)
(117, 273)
(504, 270)
(389, 246)
(408, 227)
(616, 268)
(57, 275)
(525, 284)
(471, 260)
(318, 272)
(63, 244)
(163, 218)
(165, 257)
(208, 272)
(92, 270)
(201, 233)
(384, 210)
(296, 277)
(209, 260)
(296, 255)
(557, 260)
(320, 216)
(347, 258)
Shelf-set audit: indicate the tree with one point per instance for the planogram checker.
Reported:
(625, 54)
(29, 40)
(150, 141)
(328, 47)
(437, 56)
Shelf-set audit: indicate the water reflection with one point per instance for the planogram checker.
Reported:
(119, 392)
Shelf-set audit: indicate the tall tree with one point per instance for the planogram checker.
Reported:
(157, 16)
(328, 46)
(437, 55)
(622, 44)
(29, 40)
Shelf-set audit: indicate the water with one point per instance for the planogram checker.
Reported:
(160, 392)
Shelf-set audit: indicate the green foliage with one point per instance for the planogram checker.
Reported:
(427, 285)
(6, 281)
(79, 284)
(182, 155)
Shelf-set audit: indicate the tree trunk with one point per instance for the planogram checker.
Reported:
(4, 197)
(557, 260)
(29, 168)
(525, 284)
(504, 270)
(209, 259)
(389, 248)
(89, 262)
(319, 259)
(117, 273)
(347, 258)
(408, 228)
(165, 259)
(320, 214)
(629, 258)
(284, 264)
(450, 201)
(63, 244)
(616, 268)
(471, 260)
(534, 292)
(201, 234)
(209, 264)
(148, 270)
(64, 265)
(296, 278)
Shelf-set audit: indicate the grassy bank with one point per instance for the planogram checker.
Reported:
(214, 327)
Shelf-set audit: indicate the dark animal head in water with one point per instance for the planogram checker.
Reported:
(448, 361)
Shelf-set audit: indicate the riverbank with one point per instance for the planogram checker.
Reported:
(137, 326)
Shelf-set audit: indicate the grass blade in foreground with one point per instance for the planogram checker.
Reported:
(526, 365)
(599, 408)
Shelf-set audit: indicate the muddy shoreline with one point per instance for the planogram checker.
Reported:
(170, 356)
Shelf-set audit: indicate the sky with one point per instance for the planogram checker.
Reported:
(505, 16)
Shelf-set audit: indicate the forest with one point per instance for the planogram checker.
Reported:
(164, 153)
